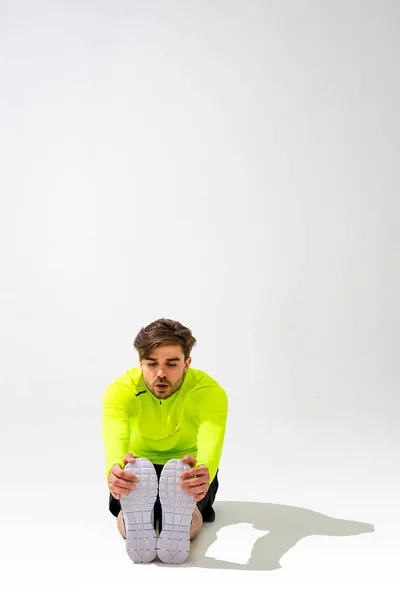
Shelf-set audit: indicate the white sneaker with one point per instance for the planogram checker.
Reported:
(177, 508)
(138, 512)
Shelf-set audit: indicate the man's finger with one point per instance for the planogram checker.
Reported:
(122, 491)
(128, 476)
(198, 489)
(189, 460)
(122, 474)
(200, 496)
(193, 483)
(122, 483)
(194, 473)
(129, 458)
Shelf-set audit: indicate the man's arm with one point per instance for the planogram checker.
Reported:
(211, 409)
(118, 405)
(211, 416)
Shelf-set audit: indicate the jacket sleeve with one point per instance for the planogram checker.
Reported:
(118, 407)
(211, 410)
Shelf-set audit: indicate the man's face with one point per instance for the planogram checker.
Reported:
(166, 365)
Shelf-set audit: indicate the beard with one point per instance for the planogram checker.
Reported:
(171, 389)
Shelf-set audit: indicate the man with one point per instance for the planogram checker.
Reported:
(163, 430)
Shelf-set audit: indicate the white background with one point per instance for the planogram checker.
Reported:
(234, 166)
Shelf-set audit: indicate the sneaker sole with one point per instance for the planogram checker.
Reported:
(173, 544)
(138, 512)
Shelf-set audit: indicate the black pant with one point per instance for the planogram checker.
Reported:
(205, 505)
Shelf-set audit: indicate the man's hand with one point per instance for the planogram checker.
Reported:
(120, 482)
(201, 479)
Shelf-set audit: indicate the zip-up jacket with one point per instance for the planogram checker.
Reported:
(191, 421)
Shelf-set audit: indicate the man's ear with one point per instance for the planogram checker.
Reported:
(187, 363)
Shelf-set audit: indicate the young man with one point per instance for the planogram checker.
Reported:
(163, 430)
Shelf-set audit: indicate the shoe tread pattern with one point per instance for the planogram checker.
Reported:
(173, 544)
(138, 512)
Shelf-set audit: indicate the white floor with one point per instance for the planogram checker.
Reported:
(314, 522)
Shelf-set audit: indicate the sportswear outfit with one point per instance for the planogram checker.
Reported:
(191, 421)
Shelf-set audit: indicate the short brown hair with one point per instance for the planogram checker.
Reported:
(163, 332)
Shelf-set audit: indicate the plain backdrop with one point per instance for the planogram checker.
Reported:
(233, 165)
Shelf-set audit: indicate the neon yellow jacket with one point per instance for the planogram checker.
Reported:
(191, 421)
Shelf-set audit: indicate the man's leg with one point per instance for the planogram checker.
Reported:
(114, 506)
(203, 512)
(173, 543)
(205, 505)
(195, 527)
(138, 512)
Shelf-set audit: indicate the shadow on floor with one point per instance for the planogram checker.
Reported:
(284, 526)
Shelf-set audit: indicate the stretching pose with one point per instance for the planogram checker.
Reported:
(163, 430)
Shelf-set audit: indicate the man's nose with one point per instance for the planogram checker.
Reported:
(160, 373)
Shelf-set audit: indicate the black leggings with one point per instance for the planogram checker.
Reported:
(205, 505)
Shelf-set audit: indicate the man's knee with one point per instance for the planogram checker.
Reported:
(196, 524)
(121, 524)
